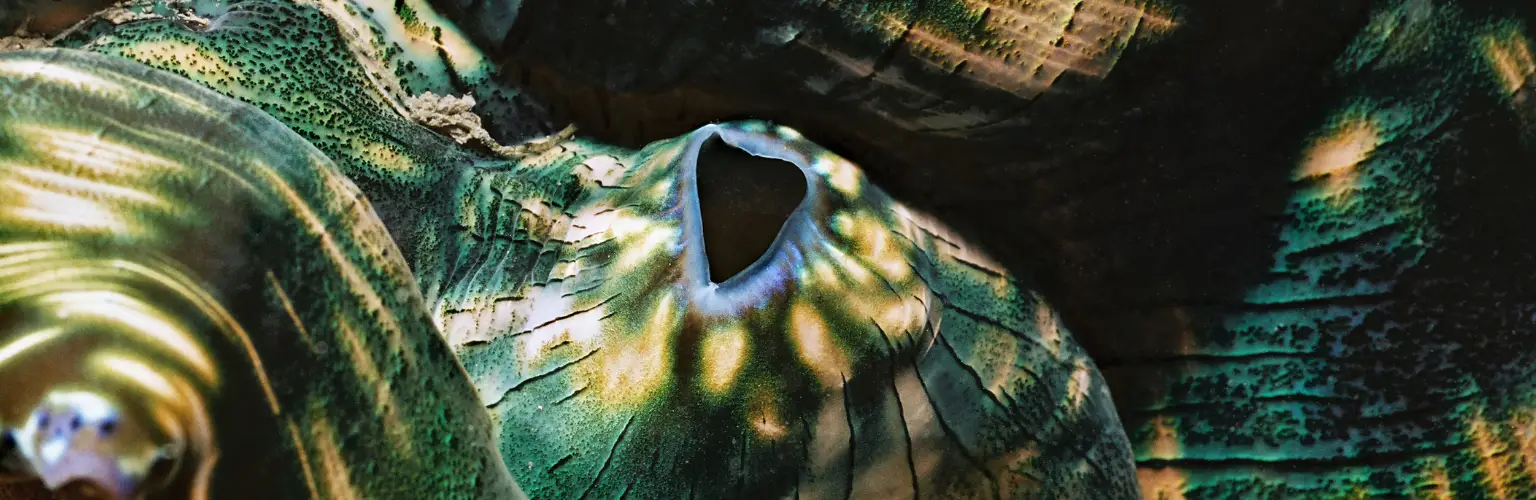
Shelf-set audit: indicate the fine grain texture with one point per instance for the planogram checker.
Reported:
(866, 354)
(1289, 233)
(277, 316)
(866, 343)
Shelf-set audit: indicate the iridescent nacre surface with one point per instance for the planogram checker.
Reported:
(1288, 232)
(868, 352)
(204, 288)
(868, 342)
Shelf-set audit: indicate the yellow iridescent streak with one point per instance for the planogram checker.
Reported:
(305, 465)
(1505, 452)
(81, 187)
(1492, 454)
(1436, 483)
(871, 237)
(25, 70)
(1335, 158)
(367, 371)
(1162, 483)
(100, 155)
(634, 366)
(725, 351)
(335, 471)
(764, 417)
(96, 186)
(364, 19)
(1524, 425)
(48, 208)
(35, 271)
(150, 326)
(98, 339)
(197, 189)
(1049, 326)
(130, 370)
(67, 184)
(815, 344)
(24, 175)
(1029, 45)
(195, 59)
(287, 303)
(27, 342)
(385, 156)
(840, 174)
(178, 409)
(643, 239)
(1509, 55)
(1079, 385)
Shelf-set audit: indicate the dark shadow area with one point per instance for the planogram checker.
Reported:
(13, 487)
(45, 17)
(743, 203)
(1129, 200)
(25, 490)
(7, 447)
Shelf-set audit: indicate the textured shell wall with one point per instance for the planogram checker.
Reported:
(868, 352)
(1169, 249)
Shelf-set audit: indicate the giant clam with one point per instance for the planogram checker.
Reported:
(1287, 257)
(208, 285)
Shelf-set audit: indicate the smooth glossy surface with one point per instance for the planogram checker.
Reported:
(185, 279)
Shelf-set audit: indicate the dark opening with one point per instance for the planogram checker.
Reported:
(743, 203)
(7, 447)
(11, 464)
(85, 488)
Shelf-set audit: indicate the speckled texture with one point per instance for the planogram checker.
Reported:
(1290, 236)
(291, 61)
(934, 66)
(494, 244)
(324, 93)
(867, 353)
(1290, 230)
(1375, 359)
(330, 378)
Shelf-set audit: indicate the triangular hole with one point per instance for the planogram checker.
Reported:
(744, 201)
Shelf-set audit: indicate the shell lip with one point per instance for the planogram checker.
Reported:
(772, 270)
(149, 402)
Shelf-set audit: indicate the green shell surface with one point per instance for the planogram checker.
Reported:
(361, 301)
(573, 287)
(217, 278)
